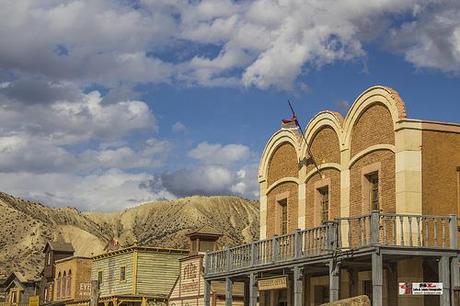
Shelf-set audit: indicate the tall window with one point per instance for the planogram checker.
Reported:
(99, 279)
(49, 258)
(324, 203)
(64, 284)
(373, 180)
(58, 285)
(283, 216)
(69, 279)
(122, 273)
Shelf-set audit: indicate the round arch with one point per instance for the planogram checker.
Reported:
(326, 118)
(372, 96)
(281, 137)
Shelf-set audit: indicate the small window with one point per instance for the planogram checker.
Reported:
(373, 180)
(99, 279)
(122, 273)
(284, 216)
(49, 259)
(324, 203)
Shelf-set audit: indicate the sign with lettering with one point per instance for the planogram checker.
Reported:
(33, 300)
(272, 283)
(420, 288)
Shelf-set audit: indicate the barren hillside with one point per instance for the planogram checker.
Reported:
(25, 226)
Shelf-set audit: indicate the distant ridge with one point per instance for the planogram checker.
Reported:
(27, 225)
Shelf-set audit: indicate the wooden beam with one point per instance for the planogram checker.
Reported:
(377, 279)
(298, 286)
(253, 290)
(334, 281)
(228, 291)
(444, 278)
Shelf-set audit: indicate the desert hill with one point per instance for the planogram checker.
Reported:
(25, 226)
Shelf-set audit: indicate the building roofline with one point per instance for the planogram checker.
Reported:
(70, 258)
(141, 248)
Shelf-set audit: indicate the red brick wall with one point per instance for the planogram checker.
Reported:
(374, 126)
(440, 159)
(283, 163)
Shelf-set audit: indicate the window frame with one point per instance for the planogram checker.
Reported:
(283, 216)
(324, 197)
(373, 180)
(122, 273)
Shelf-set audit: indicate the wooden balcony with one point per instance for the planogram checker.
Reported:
(340, 236)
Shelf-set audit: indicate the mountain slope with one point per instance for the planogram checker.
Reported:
(26, 226)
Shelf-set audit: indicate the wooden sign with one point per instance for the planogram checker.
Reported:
(33, 300)
(272, 283)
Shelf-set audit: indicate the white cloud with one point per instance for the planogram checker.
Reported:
(432, 40)
(262, 43)
(78, 121)
(109, 190)
(179, 128)
(219, 154)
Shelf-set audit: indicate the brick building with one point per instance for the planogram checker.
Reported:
(72, 281)
(378, 208)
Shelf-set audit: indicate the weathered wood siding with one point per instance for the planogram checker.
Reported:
(110, 267)
(157, 272)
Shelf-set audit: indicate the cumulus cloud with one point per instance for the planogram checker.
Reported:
(432, 39)
(179, 128)
(219, 154)
(262, 43)
(106, 191)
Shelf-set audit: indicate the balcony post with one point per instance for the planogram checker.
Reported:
(275, 246)
(444, 278)
(228, 291)
(334, 280)
(298, 286)
(253, 291)
(297, 243)
(375, 227)
(207, 292)
(227, 260)
(331, 235)
(253, 254)
(206, 263)
(377, 279)
(453, 231)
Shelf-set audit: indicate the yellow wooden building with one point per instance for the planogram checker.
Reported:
(136, 275)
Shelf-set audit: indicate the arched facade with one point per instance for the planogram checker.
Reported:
(357, 157)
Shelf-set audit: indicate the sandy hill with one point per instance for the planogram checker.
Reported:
(25, 226)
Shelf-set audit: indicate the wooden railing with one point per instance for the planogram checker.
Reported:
(375, 229)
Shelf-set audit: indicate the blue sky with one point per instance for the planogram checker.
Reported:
(109, 103)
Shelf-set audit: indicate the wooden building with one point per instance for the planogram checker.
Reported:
(354, 206)
(72, 281)
(53, 251)
(188, 289)
(18, 290)
(136, 275)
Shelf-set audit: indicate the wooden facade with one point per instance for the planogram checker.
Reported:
(136, 275)
(189, 287)
(54, 251)
(18, 290)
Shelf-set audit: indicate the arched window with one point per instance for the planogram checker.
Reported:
(58, 285)
(64, 284)
(69, 282)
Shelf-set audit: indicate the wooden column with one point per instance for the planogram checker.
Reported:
(455, 277)
(246, 297)
(253, 290)
(228, 291)
(444, 278)
(298, 286)
(377, 279)
(334, 281)
(94, 299)
(207, 293)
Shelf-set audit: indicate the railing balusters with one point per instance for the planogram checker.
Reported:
(427, 232)
(435, 232)
(418, 232)
(401, 221)
(443, 239)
